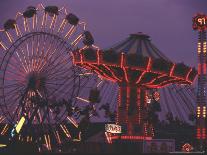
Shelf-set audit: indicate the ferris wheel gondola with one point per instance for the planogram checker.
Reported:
(38, 79)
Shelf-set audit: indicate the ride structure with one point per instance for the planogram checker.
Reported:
(200, 24)
(138, 67)
(38, 82)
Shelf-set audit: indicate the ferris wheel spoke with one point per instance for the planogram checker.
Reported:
(21, 53)
(10, 92)
(59, 73)
(26, 25)
(26, 64)
(50, 61)
(25, 47)
(49, 57)
(16, 67)
(57, 68)
(21, 62)
(11, 85)
(59, 87)
(12, 73)
(42, 53)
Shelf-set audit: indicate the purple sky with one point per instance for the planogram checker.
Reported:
(168, 22)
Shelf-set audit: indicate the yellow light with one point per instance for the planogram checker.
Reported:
(3, 145)
(20, 124)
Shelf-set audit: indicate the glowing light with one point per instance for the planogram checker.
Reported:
(187, 147)
(113, 128)
(2, 119)
(34, 21)
(9, 36)
(172, 69)
(149, 64)
(199, 69)
(72, 121)
(82, 99)
(139, 105)
(204, 111)
(132, 137)
(65, 130)
(26, 26)
(125, 74)
(204, 68)
(58, 137)
(79, 138)
(99, 83)
(108, 137)
(112, 72)
(44, 19)
(204, 47)
(18, 32)
(190, 70)
(199, 48)
(3, 145)
(3, 46)
(198, 112)
(70, 32)
(127, 102)
(5, 129)
(62, 25)
(76, 41)
(122, 60)
(204, 133)
(145, 129)
(20, 124)
(85, 74)
(53, 22)
(140, 77)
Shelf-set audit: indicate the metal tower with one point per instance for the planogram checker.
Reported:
(200, 24)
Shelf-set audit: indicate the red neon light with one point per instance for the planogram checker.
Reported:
(136, 137)
(190, 70)
(140, 77)
(138, 105)
(125, 74)
(104, 75)
(204, 68)
(145, 129)
(119, 104)
(73, 57)
(204, 133)
(132, 137)
(199, 69)
(172, 69)
(122, 60)
(114, 78)
(149, 64)
(112, 72)
(108, 137)
(198, 135)
(98, 56)
(127, 103)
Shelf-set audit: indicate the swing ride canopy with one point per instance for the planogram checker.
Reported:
(135, 61)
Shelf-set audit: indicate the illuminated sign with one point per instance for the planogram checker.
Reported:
(200, 22)
(113, 128)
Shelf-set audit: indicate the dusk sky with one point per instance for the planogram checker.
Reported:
(168, 22)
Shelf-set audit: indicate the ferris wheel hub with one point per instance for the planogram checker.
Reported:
(36, 81)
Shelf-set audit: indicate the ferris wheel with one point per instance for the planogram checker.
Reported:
(39, 85)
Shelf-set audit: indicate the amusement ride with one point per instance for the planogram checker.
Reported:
(54, 82)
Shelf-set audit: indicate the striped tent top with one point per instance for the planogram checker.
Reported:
(139, 44)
